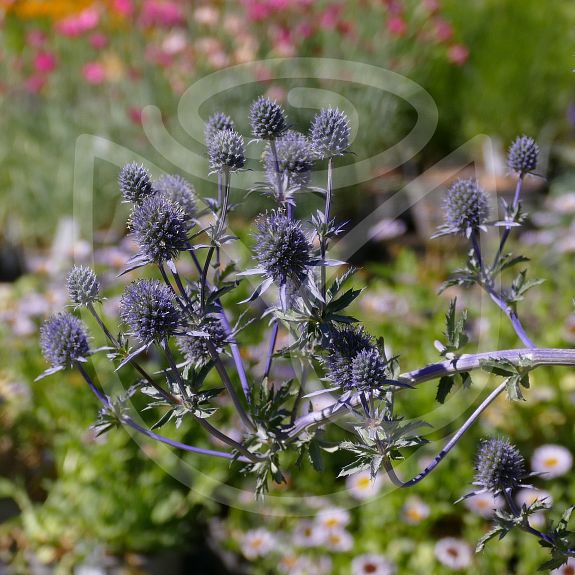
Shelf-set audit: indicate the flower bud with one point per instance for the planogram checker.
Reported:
(64, 340)
(267, 119)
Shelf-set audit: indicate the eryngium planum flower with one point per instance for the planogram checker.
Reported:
(345, 344)
(64, 340)
(195, 349)
(216, 122)
(226, 151)
(330, 132)
(499, 466)
(522, 155)
(160, 228)
(295, 155)
(466, 207)
(180, 191)
(148, 308)
(281, 248)
(83, 286)
(135, 183)
(368, 370)
(267, 119)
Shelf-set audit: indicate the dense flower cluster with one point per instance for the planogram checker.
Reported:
(180, 192)
(267, 119)
(195, 348)
(64, 340)
(226, 150)
(466, 207)
(83, 286)
(499, 466)
(216, 122)
(368, 370)
(135, 183)
(330, 131)
(523, 155)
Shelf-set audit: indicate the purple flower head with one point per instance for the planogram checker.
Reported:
(135, 183)
(83, 286)
(226, 151)
(64, 340)
(329, 134)
(180, 192)
(295, 155)
(195, 349)
(281, 248)
(522, 155)
(216, 122)
(160, 227)
(466, 207)
(267, 119)
(148, 308)
(368, 370)
(499, 466)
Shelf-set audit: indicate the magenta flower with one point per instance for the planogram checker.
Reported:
(44, 62)
(162, 13)
(35, 83)
(397, 26)
(123, 7)
(458, 54)
(78, 24)
(443, 30)
(98, 40)
(94, 73)
(35, 38)
(330, 16)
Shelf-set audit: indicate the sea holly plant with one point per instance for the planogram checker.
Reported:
(197, 353)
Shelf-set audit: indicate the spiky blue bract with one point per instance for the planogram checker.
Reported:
(267, 119)
(499, 466)
(179, 191)
(329, 134)
(195, 348)
(64, 340)
(368, 370)
(344, 345)
(83, 286)
(466, 207)
(226, 151)
(523, 154)
(281, 248)
(295, 155)
(135, 183)
(148, 308)
(160, 228)
(216, 122)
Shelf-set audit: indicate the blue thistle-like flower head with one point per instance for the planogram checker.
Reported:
(64, 340)
(523, 155)
(329, 134)
(499, 466)
(368, 370)
(83, 286)
(267, 119)
(180, 192)
(466, 207)
(295, 155)
(135, 183)
(148, 308)
(345, 344)
(216, 122)
(226, 150)
(281, 248)
(195, 349)
(160, 227)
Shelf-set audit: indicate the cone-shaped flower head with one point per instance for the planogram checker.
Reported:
(499, 466)
(64, 340)
(329, 134)
(466, 207)
(346, 344)
(368, 370)
(135, 183)
(195, 349)
(179, 191)
(216, 122)
(281, 248)
(83, 286)
(226, 150)
(523, 155)
(295, 155)
(267, 119)
(148, 308)
(160, 227)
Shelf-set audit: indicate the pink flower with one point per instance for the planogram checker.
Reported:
(135, 114)
(35, 38)
(98, 40)
(162, 13)
(396, 26)
(123, 7)
(432, 6)
(35, 83)
(443, 30)
(257, 11)
(94, 73)
(44, 62)
(77, 24)
(304, 30)
(458, 54)
(330, 16)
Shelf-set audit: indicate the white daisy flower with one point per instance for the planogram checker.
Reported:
(339, 540)
(257, 543)
(309, 534)
(484, 504)
(551, 461)
(528, 496)
(372, 564)
(361, 486)
(414, 511)
(333, 518)
(453, 553)
(323, 565)
(293, 564)
(567, 569)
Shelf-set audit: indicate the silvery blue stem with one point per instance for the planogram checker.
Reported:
(324, 239)
(271, 348)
